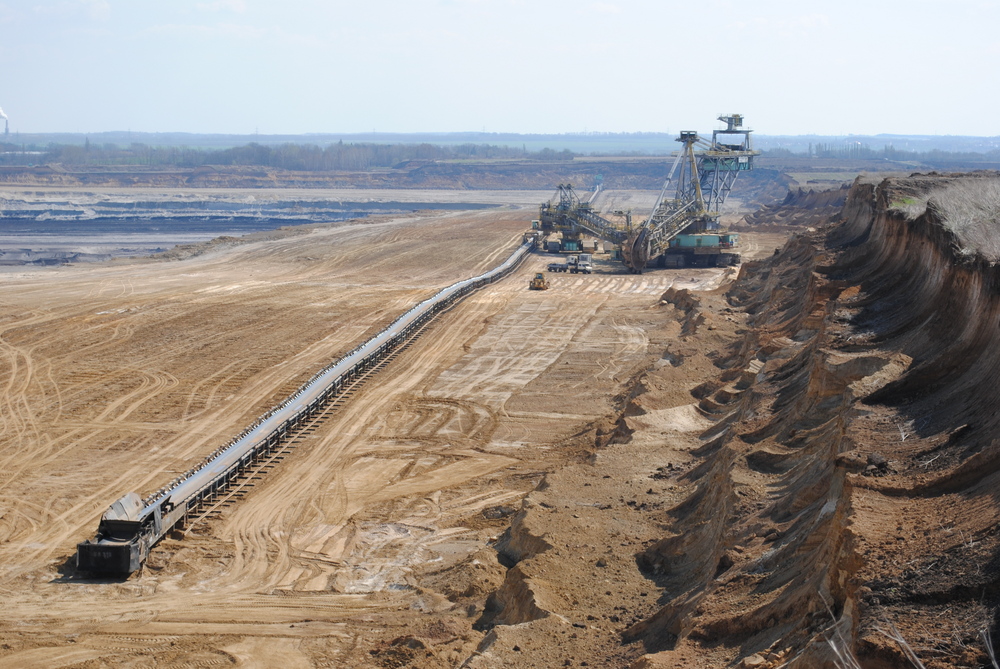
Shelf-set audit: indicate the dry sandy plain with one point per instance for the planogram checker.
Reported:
(379, 525)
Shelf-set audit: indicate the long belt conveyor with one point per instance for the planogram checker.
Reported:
(132, 525)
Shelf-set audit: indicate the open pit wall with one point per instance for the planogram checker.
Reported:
(845, 490)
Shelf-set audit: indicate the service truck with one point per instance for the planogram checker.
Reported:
(582, 263)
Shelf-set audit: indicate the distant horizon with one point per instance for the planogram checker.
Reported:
(580, 143)
(483, 133)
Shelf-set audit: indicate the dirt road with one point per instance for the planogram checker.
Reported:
(378, 524)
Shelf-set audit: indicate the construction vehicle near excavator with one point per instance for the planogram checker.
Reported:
(582, 263)
(538, 282)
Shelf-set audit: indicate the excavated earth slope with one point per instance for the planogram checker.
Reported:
(371, 542)
(831, 483)
(621, 471)
(761, 184)
(800, 208)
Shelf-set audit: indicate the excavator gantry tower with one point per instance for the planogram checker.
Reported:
(699, 181)
(705, 173)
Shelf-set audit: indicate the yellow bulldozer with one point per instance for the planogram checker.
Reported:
(538, 283)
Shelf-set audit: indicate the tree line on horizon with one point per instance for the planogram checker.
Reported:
(297, 157)
(368, 156)
(860, 151)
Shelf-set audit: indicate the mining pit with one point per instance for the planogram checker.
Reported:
(53, 225)
(788, 464)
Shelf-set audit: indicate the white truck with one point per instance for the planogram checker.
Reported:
(582, 263)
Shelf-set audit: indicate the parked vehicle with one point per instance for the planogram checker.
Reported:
(574, 264)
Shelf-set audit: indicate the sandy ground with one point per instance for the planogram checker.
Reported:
(379, 525)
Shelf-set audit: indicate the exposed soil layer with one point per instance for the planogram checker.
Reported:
(646, 173)
(800, 207)
(674, 469)
(373, 542)
(47, 225)
(828, 485)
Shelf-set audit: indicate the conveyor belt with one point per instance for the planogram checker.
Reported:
(131, 526)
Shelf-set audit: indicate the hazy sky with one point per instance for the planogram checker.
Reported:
(531, 66)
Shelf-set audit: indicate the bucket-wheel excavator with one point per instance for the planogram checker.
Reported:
(571, 216)
(684, 226)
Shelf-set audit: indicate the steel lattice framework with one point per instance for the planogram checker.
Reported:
(692, 196)
(571, 216)
(699, 181)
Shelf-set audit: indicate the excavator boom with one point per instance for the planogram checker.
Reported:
(699, 181)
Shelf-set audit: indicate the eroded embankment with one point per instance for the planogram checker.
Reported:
(850, 484)
(801, 207)
(760, 557)
(846, 486)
